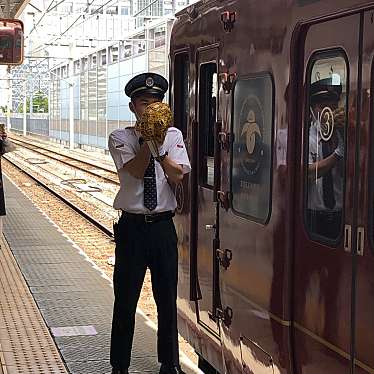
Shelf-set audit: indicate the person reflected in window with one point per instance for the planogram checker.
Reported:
(326, 159)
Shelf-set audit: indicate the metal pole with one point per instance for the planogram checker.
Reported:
(106, 101)
(49, 103)
(71, 112)
(25, 108)
(60, 107)
(132, 74)
(97, 101)
(71, 103)
(166, 60)
(9, 101)
(146, 48)
(32, 100)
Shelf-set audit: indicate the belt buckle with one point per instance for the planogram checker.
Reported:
(148, 218)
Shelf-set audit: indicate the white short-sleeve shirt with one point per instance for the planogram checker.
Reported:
(315, 200)
(123, 145)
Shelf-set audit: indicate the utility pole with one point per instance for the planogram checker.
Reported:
(32, 100)
(25, 107)
(9, 99)
(71, 103)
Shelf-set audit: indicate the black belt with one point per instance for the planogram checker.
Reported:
(148, 218)
(328, 214)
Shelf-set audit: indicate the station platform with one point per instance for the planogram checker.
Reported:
(56, 306)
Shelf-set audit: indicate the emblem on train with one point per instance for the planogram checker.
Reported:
(327, 123)
(251, 120)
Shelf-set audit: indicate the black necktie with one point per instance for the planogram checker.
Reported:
(327, 181)
(150, 188)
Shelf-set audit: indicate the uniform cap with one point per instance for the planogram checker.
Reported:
(146, 83)
(326, 89)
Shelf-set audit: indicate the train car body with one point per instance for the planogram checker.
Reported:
(265, 286)
(11, 42)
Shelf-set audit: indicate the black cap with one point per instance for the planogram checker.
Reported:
(325, 89)
(147, 83)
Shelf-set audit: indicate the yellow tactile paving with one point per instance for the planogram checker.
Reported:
(26, 346)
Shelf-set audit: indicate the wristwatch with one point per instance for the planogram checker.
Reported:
(161, 157)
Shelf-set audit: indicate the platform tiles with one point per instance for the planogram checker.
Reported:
(26, 346)
(74, 298)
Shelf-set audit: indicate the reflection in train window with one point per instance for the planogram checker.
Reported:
(252, 147)
(5, 42)
(207, 117)
(325, 146)
(181, 92)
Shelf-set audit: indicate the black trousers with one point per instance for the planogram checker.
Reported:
(324, 223)
(138, 246)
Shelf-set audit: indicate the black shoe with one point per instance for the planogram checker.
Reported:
(171, 369)
(120, 371)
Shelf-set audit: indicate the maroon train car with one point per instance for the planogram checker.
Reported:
(11, 42)
(276, 250)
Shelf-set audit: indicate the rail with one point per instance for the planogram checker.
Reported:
(88, 217)
(38, 149)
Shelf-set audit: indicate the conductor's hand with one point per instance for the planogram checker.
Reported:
(339, 117)
(156, 150)
(139, 136)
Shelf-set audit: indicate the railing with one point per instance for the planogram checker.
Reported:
(36, 123)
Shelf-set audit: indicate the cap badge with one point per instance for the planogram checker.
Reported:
(149, 82)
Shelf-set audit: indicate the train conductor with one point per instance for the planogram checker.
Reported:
(145, 235)
(326, 161)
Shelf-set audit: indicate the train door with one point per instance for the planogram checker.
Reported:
(364, 240)
(205, 186)
(246, 234)
(324, 195)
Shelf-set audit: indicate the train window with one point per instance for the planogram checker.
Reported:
(181, 92)
(251, 149)
(325, 146)
(207, 117)
(5, 42)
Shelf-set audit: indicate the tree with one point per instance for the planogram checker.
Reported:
(39, 103)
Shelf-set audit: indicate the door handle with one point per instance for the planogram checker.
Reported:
(210, 227)
(360, 240)
(347, 238)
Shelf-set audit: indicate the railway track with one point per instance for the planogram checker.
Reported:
(78, 184)
(85, 166)
(67, 202)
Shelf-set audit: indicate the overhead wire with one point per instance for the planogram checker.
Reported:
(41, 17)
(56, 38)
(45, 45)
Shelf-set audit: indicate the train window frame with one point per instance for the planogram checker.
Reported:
(203, 179)
(183, 127)
(264, 74)
(317, 56)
